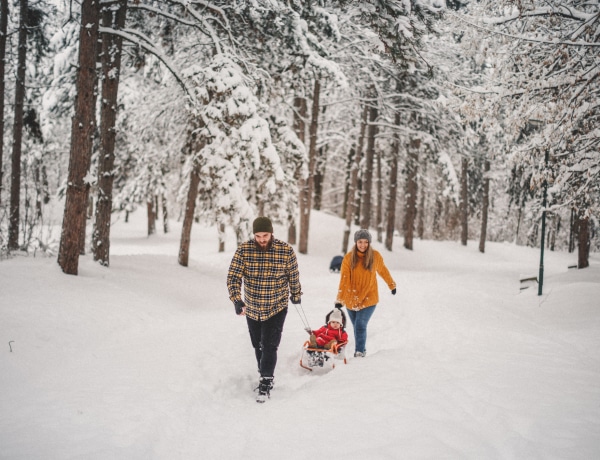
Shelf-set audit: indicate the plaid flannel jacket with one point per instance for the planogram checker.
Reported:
(267, 276)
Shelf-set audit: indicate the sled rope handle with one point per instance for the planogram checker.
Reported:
(302, 315)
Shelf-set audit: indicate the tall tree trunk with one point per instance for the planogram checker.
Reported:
(3, 29)
(15, 186)
(412, 166)
(192, 148)
(555, 230)
(111, 68)
(320, 166)
(393, 191)
(391, 206)
(485, 206)
(464, 203)
(379, 210)
(306, 197)
(318, 180)
(368, 173)
(221, 231)
(165, 213)
(572, 231)
(82, 131)
(353, 202)
(421, 208)
(583, 254)
(150, 206)
(300, 112)
(188, 219)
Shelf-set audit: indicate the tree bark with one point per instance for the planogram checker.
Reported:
(485, 206)
(300, 111)
(379, 210)
(412, 166)
(368, 173)
(165, 213)
(3, 29)
(111, 68)
(583, 254)
(82, 131)
(391, 206)
(393, 191)
(188, 220)
(15, 186)
(307, 190)
(353, 203)
(464, 204)
(150, 206)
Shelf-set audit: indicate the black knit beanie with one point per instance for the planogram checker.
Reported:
(262, 224)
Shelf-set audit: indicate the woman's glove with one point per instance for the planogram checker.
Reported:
(394, 291)
(307, 329)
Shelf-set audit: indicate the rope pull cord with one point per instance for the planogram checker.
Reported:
(302, 315)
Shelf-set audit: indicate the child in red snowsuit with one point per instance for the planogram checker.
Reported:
(330, 334)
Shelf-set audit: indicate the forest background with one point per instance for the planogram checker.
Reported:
(434, 119)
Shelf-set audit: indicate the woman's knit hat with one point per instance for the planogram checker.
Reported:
(262, 224)
(336, 315)
(362, 234)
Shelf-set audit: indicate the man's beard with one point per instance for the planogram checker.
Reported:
(267, 245)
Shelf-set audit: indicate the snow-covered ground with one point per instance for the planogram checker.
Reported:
(147, 360)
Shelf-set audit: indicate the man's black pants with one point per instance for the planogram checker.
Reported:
(265, 337)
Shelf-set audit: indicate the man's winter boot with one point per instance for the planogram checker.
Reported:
(264, 389)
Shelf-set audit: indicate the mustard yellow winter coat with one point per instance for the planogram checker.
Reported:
(358, 286)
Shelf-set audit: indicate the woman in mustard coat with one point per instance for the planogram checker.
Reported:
(358, 286)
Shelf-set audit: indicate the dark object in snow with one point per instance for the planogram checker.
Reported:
(336, 264)
(528, 281)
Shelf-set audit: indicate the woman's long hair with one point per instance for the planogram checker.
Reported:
(367, 259)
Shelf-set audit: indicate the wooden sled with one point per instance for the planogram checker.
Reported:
(312, 357)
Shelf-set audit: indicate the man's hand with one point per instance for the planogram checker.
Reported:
(239, 307)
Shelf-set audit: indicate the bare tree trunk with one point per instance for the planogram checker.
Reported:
(583, 255)
(150, 206)
(379, 210)
(368, 175)
(391, 207)
(306, 196)
(82, 131)
(15, 186)
(572, 231)
(421, 211)
(318, 179)
(3, 29)
(393, 191)
(412, 165)
(190, 209)
(111, 68)
(485, 206)
(555, 230)
(464, 204)
(300, 111)
(165, 214)
(353, 203)
(221, 230)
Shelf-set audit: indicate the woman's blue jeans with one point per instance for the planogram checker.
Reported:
(360, 319)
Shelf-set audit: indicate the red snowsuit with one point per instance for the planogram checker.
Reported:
(326, 334)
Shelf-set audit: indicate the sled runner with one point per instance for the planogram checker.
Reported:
(322, 358)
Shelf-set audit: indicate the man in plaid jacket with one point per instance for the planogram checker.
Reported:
(268, 270)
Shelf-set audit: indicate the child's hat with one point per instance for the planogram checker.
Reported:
(336, 315)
